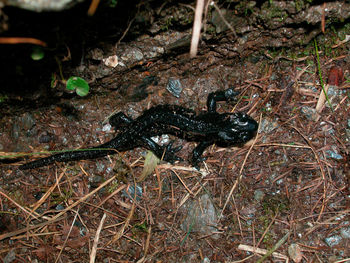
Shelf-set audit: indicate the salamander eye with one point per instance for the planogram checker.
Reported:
(242, 122)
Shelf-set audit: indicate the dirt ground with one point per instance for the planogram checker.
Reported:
(286, 191)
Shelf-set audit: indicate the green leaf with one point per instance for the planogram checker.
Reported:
(78, 84)
(320, 74)
(37, 53)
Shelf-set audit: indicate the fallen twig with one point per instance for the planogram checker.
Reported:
(96, 239)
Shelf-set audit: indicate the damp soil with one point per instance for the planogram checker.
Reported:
(290, 183)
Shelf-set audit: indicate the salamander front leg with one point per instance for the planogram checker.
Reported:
(119, 120)
(224, 95)
(198, 152)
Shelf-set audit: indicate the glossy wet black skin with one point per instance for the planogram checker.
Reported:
(211, 127)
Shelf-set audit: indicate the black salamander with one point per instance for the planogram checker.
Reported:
(207, 128)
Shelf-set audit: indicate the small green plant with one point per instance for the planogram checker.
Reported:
(113, 186)
(320, 74)
(78, 84)
(3, 98)
(63, 196)
(37, 53)
(140, 227)
(168, 23)
(113, 3)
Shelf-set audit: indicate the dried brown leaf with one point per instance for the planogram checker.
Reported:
(335, 76)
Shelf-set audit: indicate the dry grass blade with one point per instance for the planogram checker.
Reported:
(149, 231)
(323, 19)
(18, 205)
(12, 155)
(266, 252)
(274, 248)
(240, 171)
(47, 194)
(182, 168)
(328, 221)
(20, 231)
(342, 42)
(84, 197)
(120, 188)
(321, 170)
(342, 260)
(125, 225)
(261, 251)
(96, 239)
(187, 196)
(65, 241)
(283, 145)
(93, 7)
(267, 229)
(321, 99)
(22, 40)
(224, 19)
(183, 183)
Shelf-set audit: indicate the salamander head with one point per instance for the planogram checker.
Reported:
(237, 128)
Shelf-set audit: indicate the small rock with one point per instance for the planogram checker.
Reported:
(333, 240)
(59, 207)
(95, 180)
(132, 55)
(345, 232)
(96, 54)
(201, 217)
(111, 61)
(295, 253)
(334, 155)
(130, 192)
(27, 121)
(45, 137)
(310, 113)
(258, 195)
(107, 128)
(10, 257)
(174, 87)
(100, 167)
(268, 126)
(38, 195)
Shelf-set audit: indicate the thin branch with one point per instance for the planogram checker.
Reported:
(197, 25)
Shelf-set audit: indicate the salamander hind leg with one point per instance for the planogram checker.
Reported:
(167, 153)
(198, 152)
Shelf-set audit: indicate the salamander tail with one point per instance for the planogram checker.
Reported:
(67, 156)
